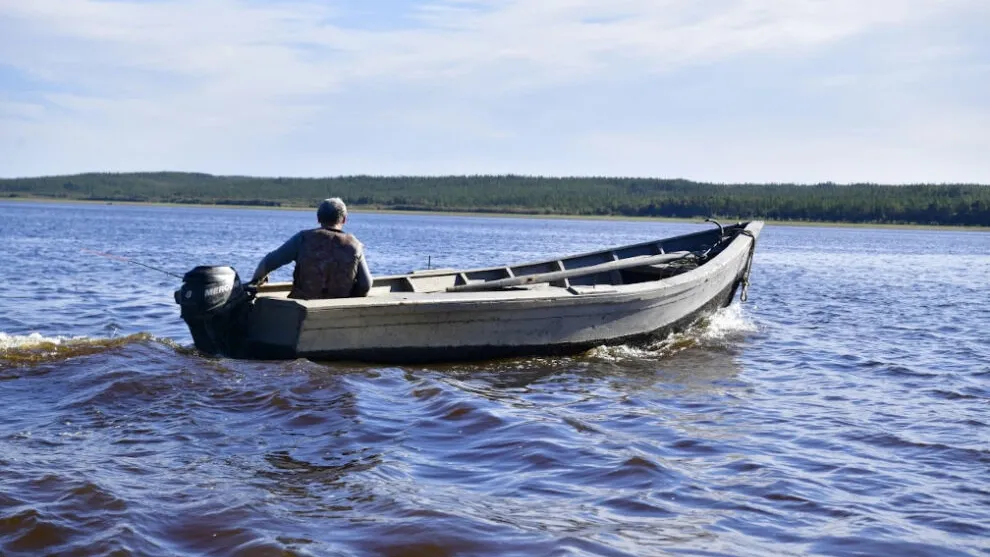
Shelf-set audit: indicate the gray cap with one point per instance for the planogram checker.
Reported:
(332, 211)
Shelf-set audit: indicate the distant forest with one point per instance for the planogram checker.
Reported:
(946, 204)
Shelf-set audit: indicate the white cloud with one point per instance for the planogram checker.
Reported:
(465, 86)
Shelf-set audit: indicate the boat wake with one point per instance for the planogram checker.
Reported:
(35, 348)
(714, 331)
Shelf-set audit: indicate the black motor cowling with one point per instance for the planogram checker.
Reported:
(214, 304)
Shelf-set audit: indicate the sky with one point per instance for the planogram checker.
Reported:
(807, 91)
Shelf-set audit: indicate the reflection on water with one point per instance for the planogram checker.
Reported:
(842, 411)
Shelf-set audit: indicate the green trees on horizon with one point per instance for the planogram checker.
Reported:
(948, 204)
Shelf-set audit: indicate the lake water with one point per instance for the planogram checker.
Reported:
(844, 410)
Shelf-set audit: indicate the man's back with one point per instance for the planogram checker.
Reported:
(326, 265)
(329, 263)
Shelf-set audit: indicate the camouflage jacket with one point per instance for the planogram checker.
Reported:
(326, 264)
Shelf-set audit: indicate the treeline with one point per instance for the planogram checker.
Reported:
(953, 204)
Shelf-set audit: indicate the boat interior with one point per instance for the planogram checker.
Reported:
(636, 263)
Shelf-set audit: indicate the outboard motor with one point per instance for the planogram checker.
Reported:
(214, 305)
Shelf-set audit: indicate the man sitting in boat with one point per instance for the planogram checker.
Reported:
(329, 262)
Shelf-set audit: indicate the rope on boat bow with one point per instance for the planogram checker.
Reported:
(744, 295)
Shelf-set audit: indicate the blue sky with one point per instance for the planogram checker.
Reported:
(889, 91)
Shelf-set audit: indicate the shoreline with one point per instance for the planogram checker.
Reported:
(361, 209)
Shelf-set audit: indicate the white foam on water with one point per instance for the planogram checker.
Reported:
(626, 352)
(727, 322)
(8, 342)
(35, 347)
(713, 330)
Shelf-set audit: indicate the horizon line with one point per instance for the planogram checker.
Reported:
(484, 175)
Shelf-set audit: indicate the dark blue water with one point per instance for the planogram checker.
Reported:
(844, 410)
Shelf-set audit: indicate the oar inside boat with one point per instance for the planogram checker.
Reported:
(628, 263)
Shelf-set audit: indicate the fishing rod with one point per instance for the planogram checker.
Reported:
(131, 261)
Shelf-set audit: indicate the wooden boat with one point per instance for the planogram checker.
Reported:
(626, 294)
